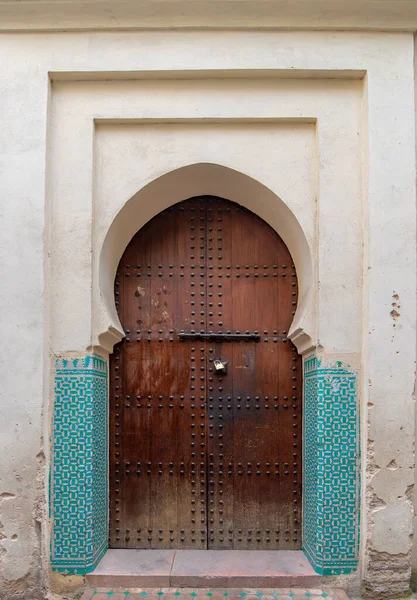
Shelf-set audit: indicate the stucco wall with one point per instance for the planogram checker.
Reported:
(323, 120)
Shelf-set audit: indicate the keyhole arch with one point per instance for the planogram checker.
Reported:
(195, 180)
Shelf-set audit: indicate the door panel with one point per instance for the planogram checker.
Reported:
(199, 458)
(156, 477)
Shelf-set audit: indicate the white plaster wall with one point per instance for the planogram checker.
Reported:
(176, 139)
(379, 15)
(364, 152)
(414, 485)
(22, 185)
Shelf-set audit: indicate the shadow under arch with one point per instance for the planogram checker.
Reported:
(198, 180)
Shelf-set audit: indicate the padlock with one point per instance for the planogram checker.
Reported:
(220, 365)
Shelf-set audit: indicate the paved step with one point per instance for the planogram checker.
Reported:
(203, 568)
(214, 594)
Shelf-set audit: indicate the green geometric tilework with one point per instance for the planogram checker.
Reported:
(331, 468)
(79, 476)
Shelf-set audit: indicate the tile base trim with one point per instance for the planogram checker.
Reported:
(331, 479)
(79, 473)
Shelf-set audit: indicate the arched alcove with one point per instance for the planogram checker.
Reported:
(330, 483)
(217, 180)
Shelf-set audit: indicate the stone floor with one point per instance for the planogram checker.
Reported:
(203, 568)
(213, 594)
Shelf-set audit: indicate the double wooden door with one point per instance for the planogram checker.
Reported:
(205, 411)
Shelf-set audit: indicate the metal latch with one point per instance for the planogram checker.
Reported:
(220, 365)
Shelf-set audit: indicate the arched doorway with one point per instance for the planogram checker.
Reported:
(205, 454)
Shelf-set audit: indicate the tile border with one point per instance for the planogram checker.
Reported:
(331, 475)
(79, 472)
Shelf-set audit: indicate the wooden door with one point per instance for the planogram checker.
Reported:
(199, 457)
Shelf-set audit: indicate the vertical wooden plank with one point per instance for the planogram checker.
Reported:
(137, 406)
(163, 432)
(220, 396)
(191, 496)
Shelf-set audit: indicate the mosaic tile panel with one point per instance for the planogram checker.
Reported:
(79, 477)
(331, 467)
(214, 594)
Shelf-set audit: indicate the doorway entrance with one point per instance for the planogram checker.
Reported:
(205, 389)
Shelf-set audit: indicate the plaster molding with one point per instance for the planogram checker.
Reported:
(302, 341)
(109, 338)
(132, 112)
(195, 180)
(57, 15)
